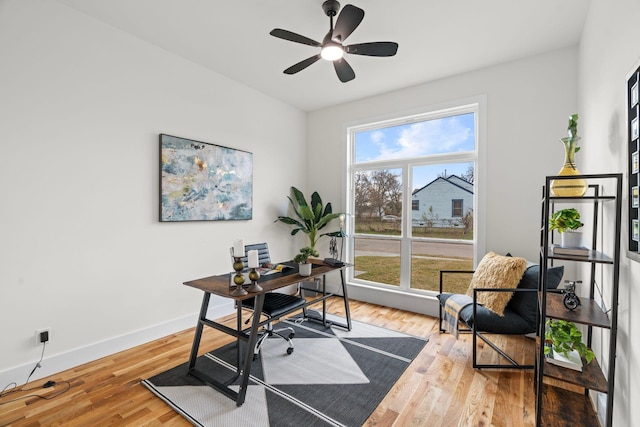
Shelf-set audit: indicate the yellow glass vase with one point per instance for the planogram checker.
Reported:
(569, 187)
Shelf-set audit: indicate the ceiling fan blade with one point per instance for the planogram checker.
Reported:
(293, 37)
(348, 20)
(373, 48)
(302, 65)
(344, 70)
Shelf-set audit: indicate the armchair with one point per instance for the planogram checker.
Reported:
(519, 307)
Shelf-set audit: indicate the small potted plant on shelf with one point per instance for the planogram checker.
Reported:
(302, 259)
(564, 346)
(567, 221)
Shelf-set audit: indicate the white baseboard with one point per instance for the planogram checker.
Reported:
(414, 302)
(61, 362)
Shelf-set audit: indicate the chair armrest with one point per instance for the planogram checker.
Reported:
(443, 272)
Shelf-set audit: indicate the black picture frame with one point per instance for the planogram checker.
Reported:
(633, 168)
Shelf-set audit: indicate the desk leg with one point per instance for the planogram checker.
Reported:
(345, 296)
(248, 357)
(347, 312)
(238, 340)
(199, 327)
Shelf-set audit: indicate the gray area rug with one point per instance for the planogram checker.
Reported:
(333, 378)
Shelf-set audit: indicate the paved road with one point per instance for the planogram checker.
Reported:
(382, 247)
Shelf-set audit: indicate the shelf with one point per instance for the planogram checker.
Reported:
(587, 313)
(596, 256)
(591, 376)
(564, 408)
(583, 199)
(564, 396)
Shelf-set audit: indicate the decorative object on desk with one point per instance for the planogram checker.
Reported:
(566, 222)
(570, 187)
(252, 259)
(238, 248)
(238, 266)
(562, 337)
(302, 259)
(571, 300)
(254, 275)
(238, 278)
(336, 255)
(356, 369)
(311, 218)
(204, 182)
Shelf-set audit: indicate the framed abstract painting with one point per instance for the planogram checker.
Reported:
(204, 182)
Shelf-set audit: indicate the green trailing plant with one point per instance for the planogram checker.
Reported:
(303, 256)
(564, 220)
(309, 218)
(563, 337)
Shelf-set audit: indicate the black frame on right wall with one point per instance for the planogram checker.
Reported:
(633, 150)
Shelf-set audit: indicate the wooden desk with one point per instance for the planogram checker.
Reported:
(220, 285)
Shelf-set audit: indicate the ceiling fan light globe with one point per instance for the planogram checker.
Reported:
(332, 52)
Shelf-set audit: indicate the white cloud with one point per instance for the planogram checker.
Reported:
(423, 138)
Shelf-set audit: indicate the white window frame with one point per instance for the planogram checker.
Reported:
(477, 105)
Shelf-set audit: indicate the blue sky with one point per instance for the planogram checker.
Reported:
(437, 136)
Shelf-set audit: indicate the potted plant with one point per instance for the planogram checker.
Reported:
(567, 221)
(310, 218)
(563, 337)
(302, 259)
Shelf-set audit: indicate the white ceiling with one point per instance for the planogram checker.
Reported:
(437, 38)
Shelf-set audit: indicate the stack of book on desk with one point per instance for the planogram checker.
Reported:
(576, 251)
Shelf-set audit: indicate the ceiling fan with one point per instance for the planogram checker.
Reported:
(332, 44)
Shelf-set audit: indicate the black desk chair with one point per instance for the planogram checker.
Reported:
(275, 304)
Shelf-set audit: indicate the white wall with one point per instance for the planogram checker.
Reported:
(82, 251)
(528, 105)
(609, 50)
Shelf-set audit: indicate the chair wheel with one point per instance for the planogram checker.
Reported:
(292, 334)
(290, 350)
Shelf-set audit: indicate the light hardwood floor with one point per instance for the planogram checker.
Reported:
(440, 388)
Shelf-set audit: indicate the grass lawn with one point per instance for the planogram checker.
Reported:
(393, 229)
(425, 272)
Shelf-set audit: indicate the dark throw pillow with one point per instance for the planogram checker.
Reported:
(525, 304)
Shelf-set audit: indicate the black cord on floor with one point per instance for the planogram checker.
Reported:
(68, 384)
(16, 389)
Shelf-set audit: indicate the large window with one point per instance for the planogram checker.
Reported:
(412, 195)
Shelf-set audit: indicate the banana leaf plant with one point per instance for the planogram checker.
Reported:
(309, 218)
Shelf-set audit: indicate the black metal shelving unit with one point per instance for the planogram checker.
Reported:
(565, 399)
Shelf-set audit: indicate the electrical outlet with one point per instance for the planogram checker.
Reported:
(43, 335)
